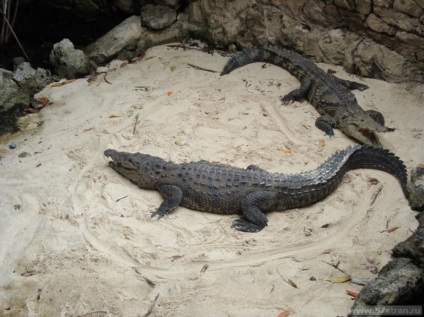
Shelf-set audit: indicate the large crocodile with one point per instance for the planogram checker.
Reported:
(330, 95)
(224, 189)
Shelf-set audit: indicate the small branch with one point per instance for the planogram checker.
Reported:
(121, 198)
(135, 123)
(151, 306)
(94, 312)
(14, 35)
(336, 266)
(201, 68)
(148, 281)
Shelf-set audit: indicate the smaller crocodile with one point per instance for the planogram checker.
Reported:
(224, 189)
(330, 95)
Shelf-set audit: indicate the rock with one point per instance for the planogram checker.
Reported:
(416, 189)
(398, 19)
(383, 3)
(363, 6)
(408, 7)
(68, 61)
(11, 94)
(18, 87)
(413, 247)
(378, 25)
(127, 6)
(157, 17)
(397, 283)
(122, 39)
(31, 80)
(18, 61)
(129, 39)
(345, 4)
(170, 3)
(314, 11)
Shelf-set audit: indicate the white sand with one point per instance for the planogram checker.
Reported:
(68, 247)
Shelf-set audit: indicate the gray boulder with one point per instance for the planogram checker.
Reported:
(416, 189)
(17, 88)
(68, 61)
(157, 17)
(121, 39)
(31, 80)
(11, 94)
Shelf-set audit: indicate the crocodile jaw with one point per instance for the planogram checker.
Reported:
(363, 129)
(123, 163)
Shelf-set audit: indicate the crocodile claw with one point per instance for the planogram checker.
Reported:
(242, 224)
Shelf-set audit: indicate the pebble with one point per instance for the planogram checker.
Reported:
(12, 145)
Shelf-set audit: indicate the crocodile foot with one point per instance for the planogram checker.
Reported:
(242, 224)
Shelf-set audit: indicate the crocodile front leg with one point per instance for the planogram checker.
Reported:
(297, 93)
(352, 85)
(173, 196)
(252, 207)
(326, 124)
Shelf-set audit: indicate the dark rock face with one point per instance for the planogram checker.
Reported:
(157, 17)
(373, 38)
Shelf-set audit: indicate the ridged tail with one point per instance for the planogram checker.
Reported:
(248, 56)
(380, 159)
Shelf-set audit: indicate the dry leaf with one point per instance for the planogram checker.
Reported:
(284, 313)
(91, 79)
(321, 142)
(114, 116)
(58, 84)
(292, 283)
(169, 93)
(149, 57)
(351, 293)
(420, 165)
(123, 64)
(176, 257)
(44, 101)
(392, 229)
(284, 150)
(339, 279)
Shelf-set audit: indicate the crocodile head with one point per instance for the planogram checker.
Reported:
(363, 128)
(139, 168)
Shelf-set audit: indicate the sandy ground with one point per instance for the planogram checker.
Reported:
(76, 238)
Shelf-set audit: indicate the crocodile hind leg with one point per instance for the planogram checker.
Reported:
(326, 124)
(376, 116)
(173, 196)
(352, 85)
(253, 204)
(297, 93)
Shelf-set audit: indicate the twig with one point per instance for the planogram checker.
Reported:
(374, 198)
(104, 78)
(94, 312)
(151, 306)
(201, 68)
(148, 281)
(289, 281)
(14, 35)
(135, 123)
(121, 198)
(336, 266)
